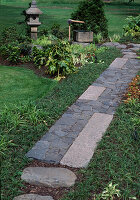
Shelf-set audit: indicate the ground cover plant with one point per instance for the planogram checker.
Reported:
(22, 125)
(113, 172)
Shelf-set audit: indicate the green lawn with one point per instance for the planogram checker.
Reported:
(60, 12)
(18, 85)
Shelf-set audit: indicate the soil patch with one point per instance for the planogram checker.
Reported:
(31, 66)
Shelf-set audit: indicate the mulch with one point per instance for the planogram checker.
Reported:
(40, 72)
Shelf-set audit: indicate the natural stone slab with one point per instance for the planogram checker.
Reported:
(121, 46)
(135, 48)
(134, 45)
(118, 63)
(126, 50)
(81, 151)
(130, 56)
(50, 177)
(92, 93)
(33, 197)
(111, 44)
(128, 53)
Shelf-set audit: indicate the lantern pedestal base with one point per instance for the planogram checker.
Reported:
(34, 33)
(34, 36)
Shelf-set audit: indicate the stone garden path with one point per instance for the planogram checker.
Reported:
(72, 140)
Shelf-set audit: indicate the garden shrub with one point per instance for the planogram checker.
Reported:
(82, 55)
(132, 27)
(56, 58)
(58, 32)
(44, 40)
(10, 34)
(15, 52)
(92, 13)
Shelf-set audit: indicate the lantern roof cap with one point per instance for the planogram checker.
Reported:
(33, 10)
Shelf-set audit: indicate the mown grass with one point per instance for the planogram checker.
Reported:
(60, 12)
(116, 160)
(20, 85)
(23, 125)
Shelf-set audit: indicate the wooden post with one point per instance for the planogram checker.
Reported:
(71, 21)
(69, 33)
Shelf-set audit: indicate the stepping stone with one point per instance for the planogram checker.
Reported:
(126, 50)
(81, 151)
(135, 48)
(130, 56)
(118, 63)
(111, 44)
(128, 53)
(92, 93)
(49, 177)
(134, 45)
(33, 197)
(121, 46)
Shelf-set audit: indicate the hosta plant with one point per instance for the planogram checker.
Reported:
(132, 27)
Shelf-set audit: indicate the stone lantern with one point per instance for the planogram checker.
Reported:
(33, 18)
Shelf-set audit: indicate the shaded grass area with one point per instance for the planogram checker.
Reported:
(19, 85)
(60, 12)
(24, 125)
(116, 160)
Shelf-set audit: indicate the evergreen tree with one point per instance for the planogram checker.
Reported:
(92, 12)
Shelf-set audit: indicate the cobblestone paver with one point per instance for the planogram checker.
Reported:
(55, 143)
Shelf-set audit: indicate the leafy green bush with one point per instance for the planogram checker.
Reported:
(15, 52)
(132, 27)
(58, 32)
(82, 55)
(10, 34)
(92, 13)
(56, 58)
(42, 41)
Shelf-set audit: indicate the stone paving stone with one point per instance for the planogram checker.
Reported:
(38, 151)
(130, 56)
(126, 50)
(81, 151)
(118, 63)
(50, 177)
(135, 48)
(111, 44)
(134, 45)
(129, 53)
(33, 197)
(92, 93)
(121, 46)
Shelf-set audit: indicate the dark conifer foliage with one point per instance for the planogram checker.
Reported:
(92, 12)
